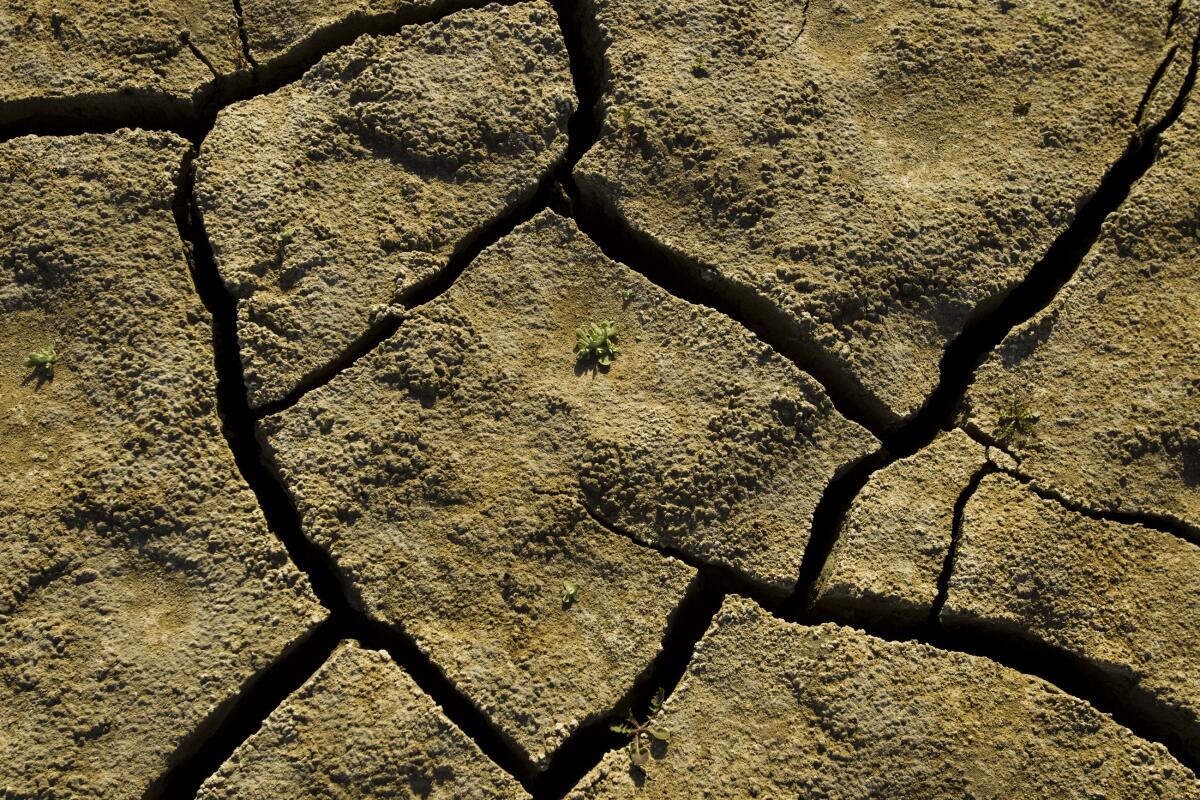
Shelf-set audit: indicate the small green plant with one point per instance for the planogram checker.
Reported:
(42, 361)
(640, 734)
(627, 296)
(284, 237)
(570, 593)
(597, 342)
(699, 68)
(1016, 417)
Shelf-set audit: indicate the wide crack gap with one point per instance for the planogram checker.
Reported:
(960, 508)
(214, 741)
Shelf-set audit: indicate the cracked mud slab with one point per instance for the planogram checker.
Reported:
(83, 57)
(893, 543)
(1120, 597)
(866, 178)
(139, 588)
(769, 709)
(336, 196)
(1109, 370)
(359, 728)
(448, 473)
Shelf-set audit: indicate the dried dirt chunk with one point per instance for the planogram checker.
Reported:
(866, 176)
(342, 192)
(451, 470)
(139, 586)
(63, 58)
(1104, 384)
(769, 709)
(360, 724)
(1120, 597)
(892, 547)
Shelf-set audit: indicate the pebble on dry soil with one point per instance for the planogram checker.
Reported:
(140, 588)
(337, 195)
(1120, 597)
(96, 55)
(892, 547)
(450, 471)
(771, 709)
(359, 728)
(866, 176)
(1108, 372)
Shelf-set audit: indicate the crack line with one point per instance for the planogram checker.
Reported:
(947, 573)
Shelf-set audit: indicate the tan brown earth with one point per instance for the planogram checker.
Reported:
(139, 585)
(893, 544)
(359, 728)
(95, 55)
(867, 176)
(1111, 369)
(1121, 597)
(788, 210)
(769, 709)
(450, 470)
(330, 200)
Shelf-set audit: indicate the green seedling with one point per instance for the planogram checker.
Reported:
(570, 593)
(597, 342)
(1016, 417)
(640, 734)
(284, 236)
(42, 361)
(627, 296)
(699, 68)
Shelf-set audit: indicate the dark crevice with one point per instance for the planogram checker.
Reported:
(960, 507)
(588, 744)
(186, 39)
(578, 30)
(1040, 286)
(1173, 18)
(213, 742)
(1155, 82)
(1104, 690)
(421, 293)
(728, 577)
(827, 526)
(1156, 522)
(192, 118)
(245, 40)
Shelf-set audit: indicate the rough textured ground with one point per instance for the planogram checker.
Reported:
(893, 545)
(868, 175)
(320, 500)
(139, 588)
(1122, 597)
(769, 709)
(450, 472)
(1110, 369)
(359, 728)
(94, 55)
(329, 200)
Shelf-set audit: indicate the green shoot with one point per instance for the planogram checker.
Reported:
(597, 342)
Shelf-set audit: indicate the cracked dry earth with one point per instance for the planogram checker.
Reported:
(891, 490)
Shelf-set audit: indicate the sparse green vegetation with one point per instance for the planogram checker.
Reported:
(42, 361)
(640, 734)
(597, 342)
(1016, 417)
(570, 593)
(699, 68)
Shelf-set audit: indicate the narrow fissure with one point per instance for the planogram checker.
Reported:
(1173, 17)
(1156, 522)
(1155, 82)
(960, 507)
(245, 40)
(766, 596)
(193, 118)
